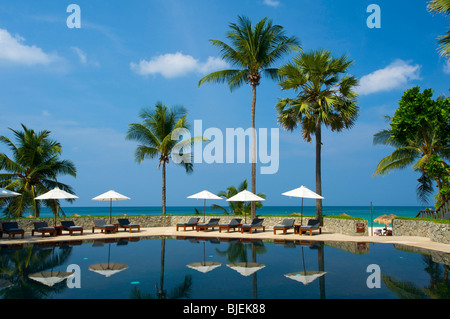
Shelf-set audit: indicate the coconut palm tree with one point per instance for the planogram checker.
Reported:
(253, 51)
(32, 170)
(325, 96)
(156, 135)
(442, 6)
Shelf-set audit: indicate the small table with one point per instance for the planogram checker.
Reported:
(59, 230)
(297, 228)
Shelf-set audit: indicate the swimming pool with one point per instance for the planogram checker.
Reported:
(196, 268)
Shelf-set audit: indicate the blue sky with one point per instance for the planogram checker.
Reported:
(87, 84)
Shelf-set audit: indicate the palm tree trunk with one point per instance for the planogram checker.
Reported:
(318, 134)
(253, 207)
(321, 259)
(164, 187)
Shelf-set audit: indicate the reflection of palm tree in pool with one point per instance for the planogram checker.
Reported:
(439, 287)
(17, 264)
(183, 290)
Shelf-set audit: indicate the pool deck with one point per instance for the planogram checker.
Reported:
(414, 241)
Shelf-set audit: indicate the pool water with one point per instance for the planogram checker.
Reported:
(196, 268)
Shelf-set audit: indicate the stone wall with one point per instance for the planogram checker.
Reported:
(437, 232)
(333, 225)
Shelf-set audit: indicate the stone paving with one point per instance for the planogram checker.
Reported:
(415, 241)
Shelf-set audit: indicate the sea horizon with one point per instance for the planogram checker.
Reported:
(351, 210)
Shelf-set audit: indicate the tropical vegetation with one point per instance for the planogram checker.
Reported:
(324, 96)
(32, 168)
(442, 6)
(253, 51)
(156, 136)
(237, 208)
(420, 134)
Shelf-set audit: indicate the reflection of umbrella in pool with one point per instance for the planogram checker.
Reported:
(204, 195)
(302, 192)
(245, 196)
(5, 284)
(56, 194)
(305, 277)
(108, 269)
(110, 195)
(204, 266)
(246, 268)
(50, 278)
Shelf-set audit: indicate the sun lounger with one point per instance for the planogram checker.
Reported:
(214, 222)
(125, 223)
(234, 223)
(257, 223)
(43, 228)
(285, 225)
(71, 227)
(191, 223)
(103, 226)
(313, 224)
(11, 228)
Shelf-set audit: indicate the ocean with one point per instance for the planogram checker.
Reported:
(354, 211)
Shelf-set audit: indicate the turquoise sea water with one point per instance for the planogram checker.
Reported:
(355, 211)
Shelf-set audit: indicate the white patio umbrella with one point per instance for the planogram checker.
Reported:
(302, 192)
(110, 196)
(245, 196)
(56, 194)
(204, 195)
(7, 193)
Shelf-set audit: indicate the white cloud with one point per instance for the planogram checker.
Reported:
(174, 65)
(81, 54)
(272, 3)
(447, 67)
(13, 49)
(395, 75)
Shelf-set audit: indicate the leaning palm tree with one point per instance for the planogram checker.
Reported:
(253, 51)
(325, 96)
(415, 151)
(442, 6)
(156, 137)
(32, 170)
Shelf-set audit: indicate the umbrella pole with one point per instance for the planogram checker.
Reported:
(204, 210)
(110, 210)
(371, 220)
(57, 208)
(301, 214)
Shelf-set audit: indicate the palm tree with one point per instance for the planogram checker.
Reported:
(237, 208)
(253, 51)
(32, 170)
(325, 96)
(442, 6)
(416, 151)
(155, 136)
